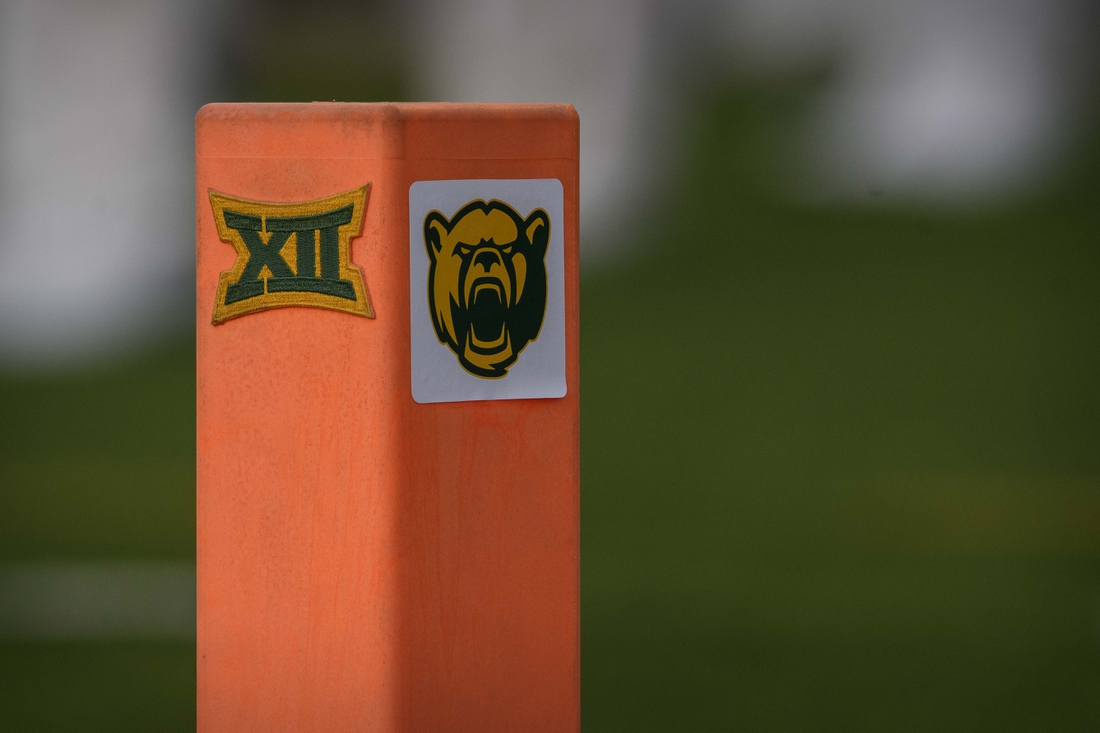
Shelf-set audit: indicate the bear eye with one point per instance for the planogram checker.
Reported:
(508, 250)
(464, 249)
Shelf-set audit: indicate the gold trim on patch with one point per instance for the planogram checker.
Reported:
(316, 272)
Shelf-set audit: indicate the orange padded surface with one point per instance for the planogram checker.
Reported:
(367, 563)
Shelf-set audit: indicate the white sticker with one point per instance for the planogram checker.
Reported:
(487, 289)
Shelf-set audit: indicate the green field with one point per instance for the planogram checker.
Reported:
(841, 469)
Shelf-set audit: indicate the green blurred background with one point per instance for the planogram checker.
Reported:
(841, 465)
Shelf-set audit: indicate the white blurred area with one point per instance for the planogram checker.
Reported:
(946, 102)
(96, 107)
(928, 102)
(97, 600)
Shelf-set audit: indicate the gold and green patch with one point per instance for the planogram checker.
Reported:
(291, 254)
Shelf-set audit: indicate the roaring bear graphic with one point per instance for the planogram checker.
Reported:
(487, 282)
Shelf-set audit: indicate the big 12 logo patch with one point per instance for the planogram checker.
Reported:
(291, 254)
(487, 282)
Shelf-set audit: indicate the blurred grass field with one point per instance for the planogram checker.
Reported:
(841, 469)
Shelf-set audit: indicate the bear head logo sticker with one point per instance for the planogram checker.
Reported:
(487, 283)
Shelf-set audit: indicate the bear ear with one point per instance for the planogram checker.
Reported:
(537, 229)
(435, 226)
